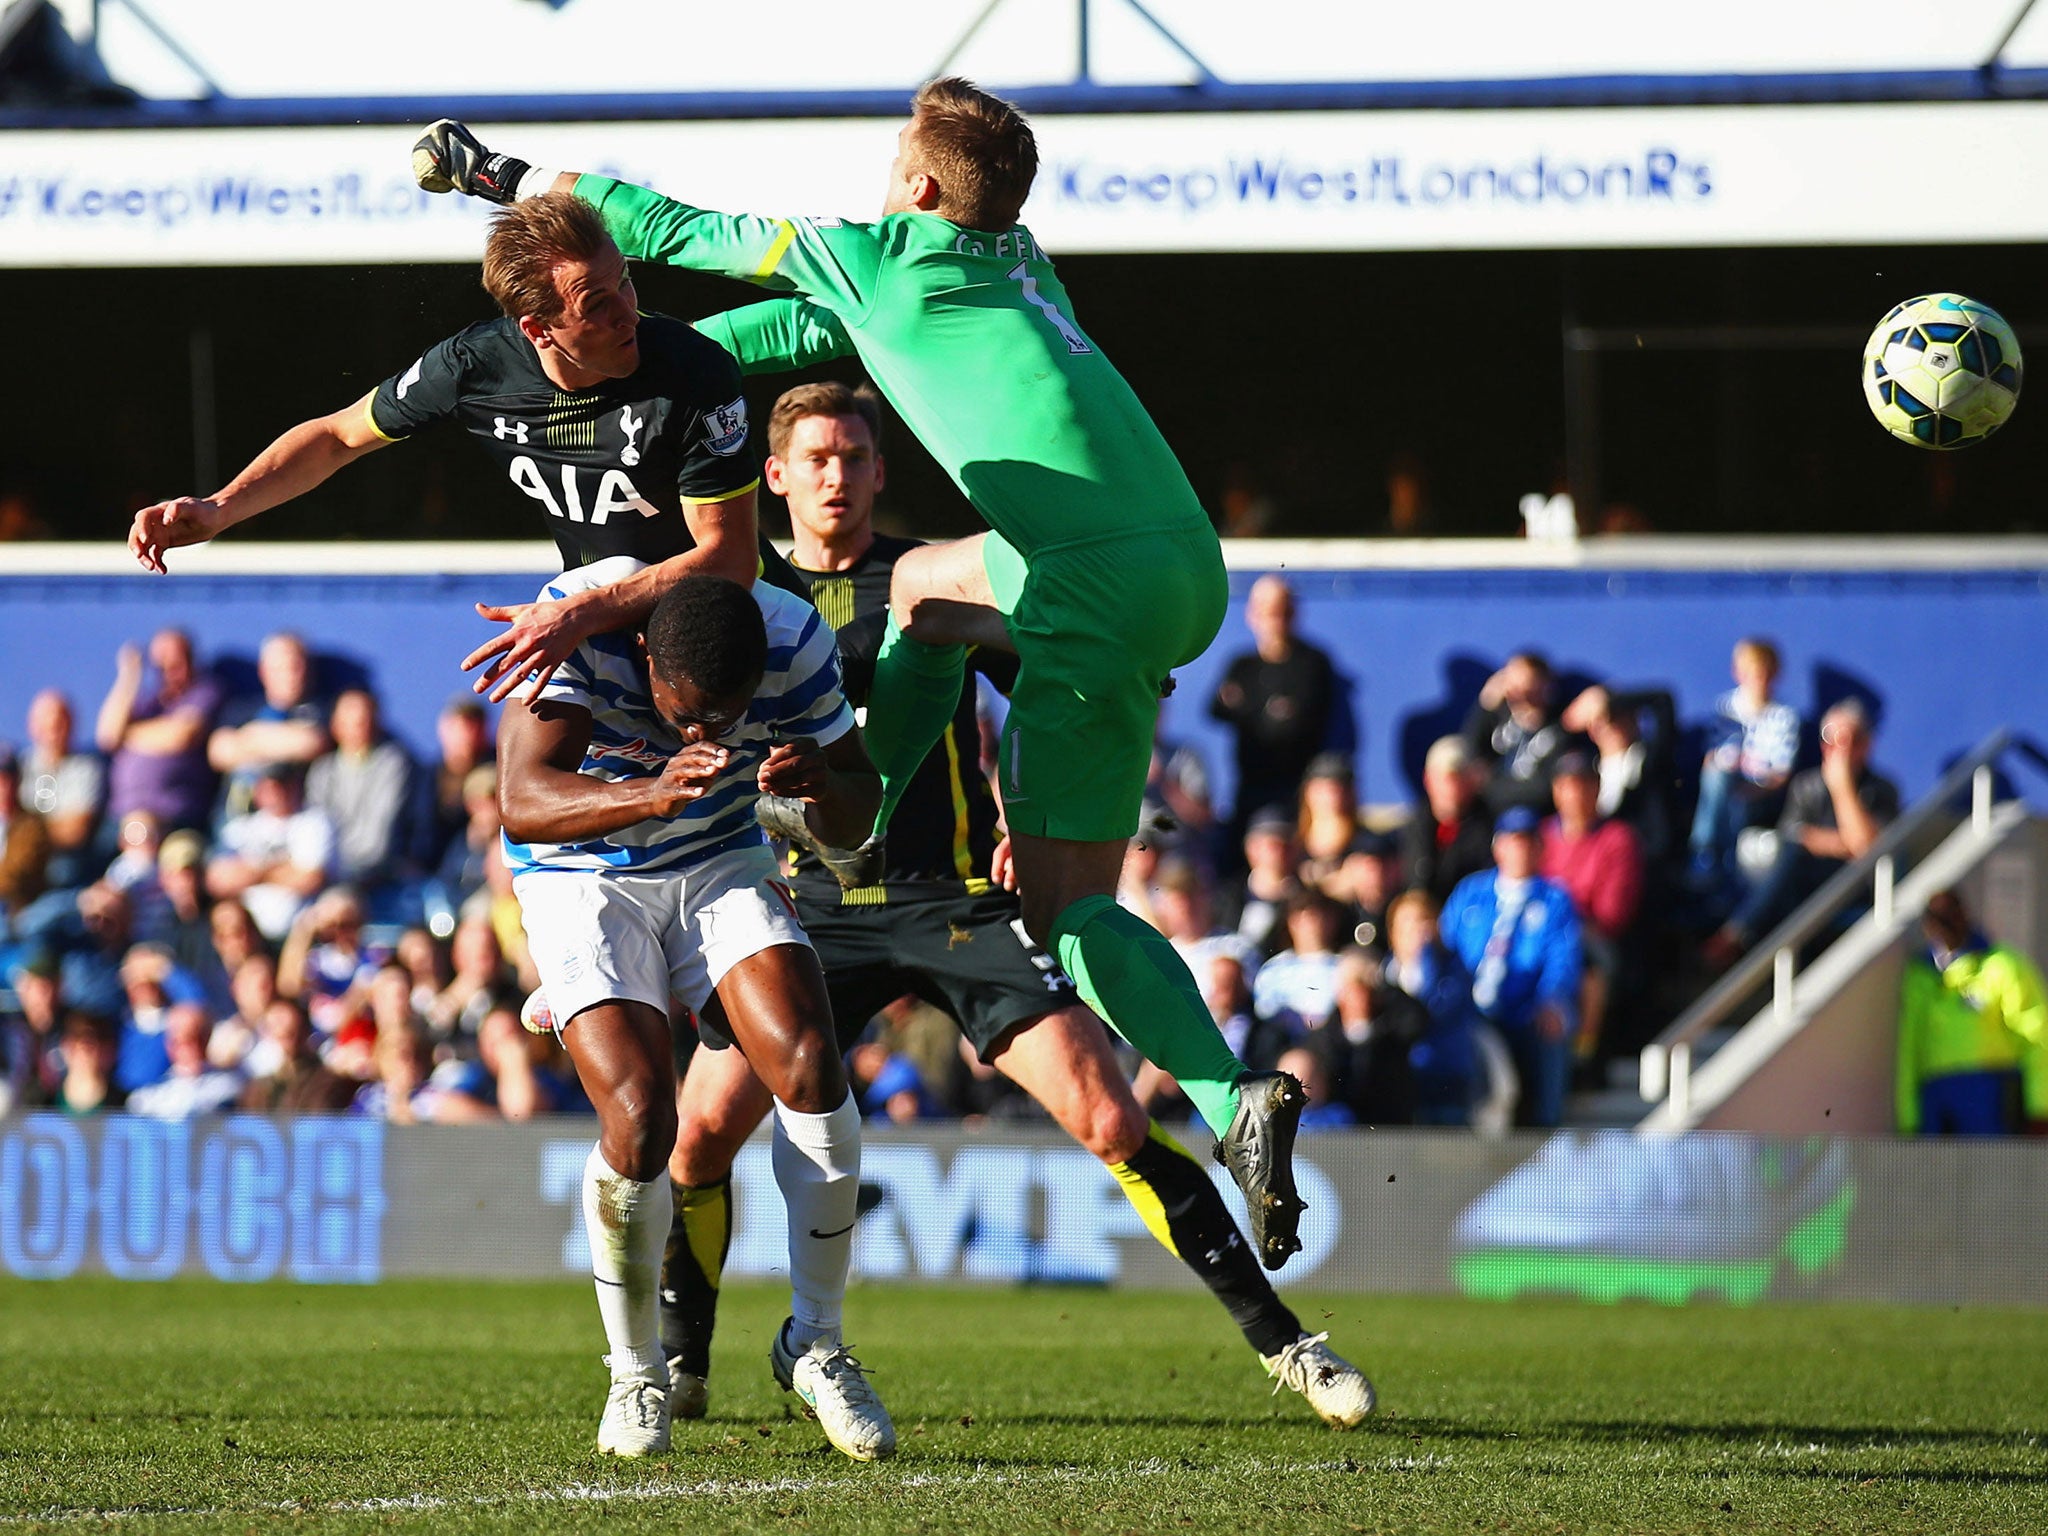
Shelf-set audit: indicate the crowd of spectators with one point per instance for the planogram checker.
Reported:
(266, 901)
(261, 902)
(1536, 913)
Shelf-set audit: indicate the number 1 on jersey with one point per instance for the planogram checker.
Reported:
(1076, 342)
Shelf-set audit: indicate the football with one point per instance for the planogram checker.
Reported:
(1941, 371)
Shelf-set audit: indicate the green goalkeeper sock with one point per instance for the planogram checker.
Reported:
(1131, 976)
(915, 691)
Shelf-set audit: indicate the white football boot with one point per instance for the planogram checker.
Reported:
(635, 1419)
(834, 1387)
(1334, 1387)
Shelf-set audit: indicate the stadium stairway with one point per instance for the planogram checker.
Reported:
(1819, 994)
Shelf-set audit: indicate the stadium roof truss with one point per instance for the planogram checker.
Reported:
(1206, 81)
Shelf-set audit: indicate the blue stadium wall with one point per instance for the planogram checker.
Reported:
(1944, 655)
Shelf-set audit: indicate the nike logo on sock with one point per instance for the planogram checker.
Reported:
(840, 1233)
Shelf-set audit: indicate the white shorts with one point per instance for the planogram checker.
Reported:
(597, 936)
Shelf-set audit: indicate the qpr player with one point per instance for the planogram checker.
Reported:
(628, 787)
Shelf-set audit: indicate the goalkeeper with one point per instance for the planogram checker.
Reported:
(1102, 571)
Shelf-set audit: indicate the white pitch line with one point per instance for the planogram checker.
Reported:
(715, 1488)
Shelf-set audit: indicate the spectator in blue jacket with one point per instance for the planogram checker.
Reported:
(1518, 935)
(1449, 1077)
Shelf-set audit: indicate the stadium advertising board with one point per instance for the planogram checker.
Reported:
(244, 1198)
(1605, 1216)
(1135, 183)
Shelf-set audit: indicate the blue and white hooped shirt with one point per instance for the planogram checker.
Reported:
(800, 695)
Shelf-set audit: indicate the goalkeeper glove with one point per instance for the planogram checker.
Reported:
(448, 158)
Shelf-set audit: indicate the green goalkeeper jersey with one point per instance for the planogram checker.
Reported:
(970, 336)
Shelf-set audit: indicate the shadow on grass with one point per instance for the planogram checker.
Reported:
(1839, 1438)
(1960, 1476)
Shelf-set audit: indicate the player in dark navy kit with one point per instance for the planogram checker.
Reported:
(627, 431)
(942, 925)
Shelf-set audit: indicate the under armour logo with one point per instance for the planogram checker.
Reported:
(1215, 1256)
(630, 425)
(515, 430)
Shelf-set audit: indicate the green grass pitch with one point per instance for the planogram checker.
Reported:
(448, 1406)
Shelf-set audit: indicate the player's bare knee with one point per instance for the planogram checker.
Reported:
(920, 615)
(1115, 1128)
(811, 1080)
(902, 608)
(639, 1129)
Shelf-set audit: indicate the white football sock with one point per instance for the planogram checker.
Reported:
(627, 1222)
(817, 1163)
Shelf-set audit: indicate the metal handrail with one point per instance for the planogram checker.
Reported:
(1666, 1061)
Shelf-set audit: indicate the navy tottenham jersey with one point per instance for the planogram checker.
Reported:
(610, 467)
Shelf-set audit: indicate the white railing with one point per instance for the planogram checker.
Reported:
(1872, 880)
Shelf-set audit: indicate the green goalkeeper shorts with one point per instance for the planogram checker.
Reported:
(1099, 626)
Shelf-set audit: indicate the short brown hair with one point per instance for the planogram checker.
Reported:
(978, 148)
(528, 240)
(828, 398)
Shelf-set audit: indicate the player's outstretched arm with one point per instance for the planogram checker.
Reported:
(541, 636)
(299, 460)
(793, 255)
(839, 786)
(790, 255)
(778, 335)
